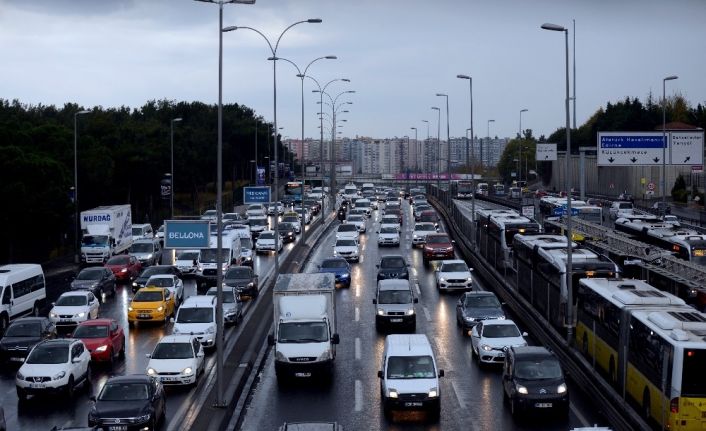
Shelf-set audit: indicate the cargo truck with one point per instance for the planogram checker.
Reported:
(106, 231)
(305, 336)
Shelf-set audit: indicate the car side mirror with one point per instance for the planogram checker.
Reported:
(376, 266)
(416, 300)
(375, 301)
(200, 354)
(453, 241)
(171, 320)
(441, 373)
(148, 355)
(380, 374)
(335, 339)
(75, 360)
(271, 339)
(92, 398)
(524, 334)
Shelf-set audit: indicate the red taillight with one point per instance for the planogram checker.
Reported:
(674, 405)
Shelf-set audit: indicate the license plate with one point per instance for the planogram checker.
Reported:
(143, 316)
(17, 359)
(37, 385)
(64, 320)
(396, 320)
(117, 428)
(543, 405)
(302, 374)
(168, 379)
(413, 404)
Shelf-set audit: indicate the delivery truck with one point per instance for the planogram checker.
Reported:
(106, 231)
(305, 336)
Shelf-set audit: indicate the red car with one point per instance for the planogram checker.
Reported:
(124, 267)
(438, 247)
(104, 338)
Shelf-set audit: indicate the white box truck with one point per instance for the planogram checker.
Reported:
(305, 336)
(107, 231)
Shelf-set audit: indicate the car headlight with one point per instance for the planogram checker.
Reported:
(279, 356)
(102, 348)
(392, 393)
(335, 252)
(59, 375)
(469, 279)
(175, 330)
(160, 308)
(210, 330)
(416, 236)
(522, 390)
(144, 418)
(129, 308)
(149, 256)
(433, 392)
(470, 319)
(486, 347)
(134, 284)
(561, 389)
(381, 312)
(124, 270)
(151, 371)
(187, 371)
(442, 279)
(345, 275)
(53, 314)
(81, 314)
(410, 312)
(19, 376)
(501, 317)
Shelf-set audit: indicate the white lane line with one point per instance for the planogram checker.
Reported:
(357, 291)
(459, 396)
(361, 259)
(358, 396)
(357, 349)
(578, 415)
(419, 290)
(357, 314)
(427, 314)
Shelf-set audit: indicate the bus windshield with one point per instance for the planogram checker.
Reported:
(693, 381)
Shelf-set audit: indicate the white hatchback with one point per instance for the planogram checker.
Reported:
(74, 307)
(453, 274)
(347, 248)
(490, 340)
(177, 360)
(388, 235)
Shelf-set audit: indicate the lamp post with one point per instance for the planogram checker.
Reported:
(220, 402)
(334, 111)
(473, 169)
(448, 139)
(519, 177)
(664, 140)
(426, 147)
(77, 224)
(416, 156)
(438, 149)
(273, 58)
(171, 133)
(405, 166)
(481, 147)
(569, 233)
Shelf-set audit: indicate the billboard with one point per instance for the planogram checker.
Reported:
(186, 234)
(256, 195)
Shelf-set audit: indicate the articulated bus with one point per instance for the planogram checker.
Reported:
(483, 189)
(541, 262)
(649, 345)
(686, 244)
(496, 228)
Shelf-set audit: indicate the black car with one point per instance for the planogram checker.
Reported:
(393, 266)
(287, 231)
(474, 307)
(22, 335)
(153, 270)
(244, 279)
(136, 402)
(533, 380)
(98, 279)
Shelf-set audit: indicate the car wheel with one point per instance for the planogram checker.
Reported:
(3, 324)
(111, 359)
(514, 409)
(87, 380)
(35, 311)
(70, 388)
(21, 395)
(121, 354)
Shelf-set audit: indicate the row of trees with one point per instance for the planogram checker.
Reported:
(122, 155)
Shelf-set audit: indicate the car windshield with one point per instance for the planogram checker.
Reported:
(547, 368)
(392, 262)
(154, 270)
(428, 217)
(173, 351)
(228, 295)
(454, 267)
(410, 367)
(24, 329)
(124, 392)
(267, 235)
(188, 255)
(49, 354)
(334, 263)
(285, 226)
(303, 332)
(424, 227)
(394, 297)
(255, 208)
(137, 231)
(347, 228)
(390, 220)
(91, 331)
(141, 247)
(441, 240)
(345, 243)
(246, 243)
(209, 255)
(482, 301)
(238, 273)
(160, 282)
(388, 230)
(290, 219)
(147, 296)
(258, 222)
(71, 301)
(118, 260)
(500, 331)
(90, 274)
(355, 217)
(195, 315)
(94, 240)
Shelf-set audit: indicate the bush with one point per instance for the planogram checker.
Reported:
(679, 191)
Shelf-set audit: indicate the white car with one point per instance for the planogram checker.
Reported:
(347, 230)
(58, 365)
(347, 248)
(74, 307)
(209, 215)
(177, 360)
(197, 316)
(307, 214)
(273, 207)
(258, 224)
(186, 261)
(388, 235)
(266, 242)
(491, 338)
(171, 282)
(255, 210)
(358, 221)
(390, 220)
(421, 230)
(453, 274)
(294, 220)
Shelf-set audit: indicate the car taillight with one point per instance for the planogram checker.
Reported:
(674, 405)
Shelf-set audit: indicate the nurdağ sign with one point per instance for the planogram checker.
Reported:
(256, 195)
(647, 148)
(186, 234)
(545, 153)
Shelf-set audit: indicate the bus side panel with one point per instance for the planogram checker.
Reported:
(638, 386)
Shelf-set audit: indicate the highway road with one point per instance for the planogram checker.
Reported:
(471, 398)
(44, 413)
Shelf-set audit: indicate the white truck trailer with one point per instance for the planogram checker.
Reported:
(106, 231)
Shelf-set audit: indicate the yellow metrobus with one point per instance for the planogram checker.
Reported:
(649, 345)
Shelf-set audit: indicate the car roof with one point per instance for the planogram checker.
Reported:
(143, 240)
(445, 261)
(176, 338)
(408, 345)
(499, 322)
(29, 319)
(394, 284)
(532, 351)
(131, 378)
(479, 293)
(169, 276)
(97, 322)
(334, 259)
(198, 301)
(75, 293)
(393, 256)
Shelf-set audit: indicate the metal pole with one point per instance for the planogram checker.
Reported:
(574, 58)
(569, 232)
(664, 140)
(220, 401)
(438, 149)
(448, 145)
(519, 177)
(77, 244)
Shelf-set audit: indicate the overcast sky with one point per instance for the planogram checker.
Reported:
(397, 53)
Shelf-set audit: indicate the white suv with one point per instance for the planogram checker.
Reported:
(453, 274)
(54, 366)
(177, 360)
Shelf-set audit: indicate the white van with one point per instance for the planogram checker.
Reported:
(206, 269)
(197, 316)
(22, 292)
(409, 378)
(142, 231)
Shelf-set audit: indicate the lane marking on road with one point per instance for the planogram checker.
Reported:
(460, 396)
(419, 290)
(357, 291)
(361, 259)
(357, 349)
(578, 415)
(358, 396)
(427, 314)
(357, 314)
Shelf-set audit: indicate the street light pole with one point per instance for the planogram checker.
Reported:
(473, 169)
(171, 194)
(519, 173)
(77, 224)
(438, 148)
(569, 233)
(487, 142)
(416, 156)
(664, 140)
(448, 140)
(426, 149)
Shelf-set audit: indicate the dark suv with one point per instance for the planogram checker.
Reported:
(533, 380)
(393, 266)
(438, 246)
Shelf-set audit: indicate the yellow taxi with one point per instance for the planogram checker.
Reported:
(151, 304)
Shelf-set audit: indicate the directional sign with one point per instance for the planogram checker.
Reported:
(256, 195)
(186, 234)
(545, 152)
(686, 148)
(629, 148)
(528, 211)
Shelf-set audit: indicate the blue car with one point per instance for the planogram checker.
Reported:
(339, 267)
